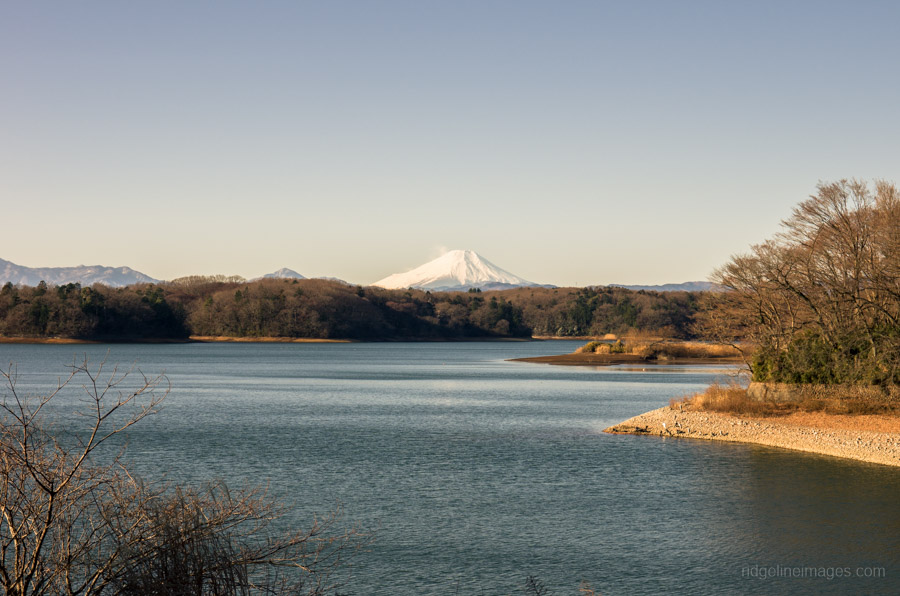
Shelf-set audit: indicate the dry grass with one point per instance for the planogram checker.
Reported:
(662, 350)
(853, 401)
(693, 349)
(645, 336)
(732, 399)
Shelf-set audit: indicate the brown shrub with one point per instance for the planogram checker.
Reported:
(589, 348)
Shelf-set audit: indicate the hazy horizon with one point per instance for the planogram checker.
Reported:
(267, 273)
(572, 144)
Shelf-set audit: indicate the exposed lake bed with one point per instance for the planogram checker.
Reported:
(824, 434)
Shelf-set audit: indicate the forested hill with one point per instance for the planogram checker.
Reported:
(314, 308)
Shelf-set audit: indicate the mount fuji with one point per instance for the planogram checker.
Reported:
(457, 270)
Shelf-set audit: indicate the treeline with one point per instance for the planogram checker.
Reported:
(333, 310)
(96, 312)
(567, 312)
(312, 308)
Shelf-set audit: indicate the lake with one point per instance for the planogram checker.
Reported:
(477, 472)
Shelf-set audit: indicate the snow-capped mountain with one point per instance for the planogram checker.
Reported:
(83, 274)
(457, 270)
(283, 273)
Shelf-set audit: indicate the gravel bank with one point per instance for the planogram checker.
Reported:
(862, 445)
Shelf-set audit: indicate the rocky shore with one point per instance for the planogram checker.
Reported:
(874, 439)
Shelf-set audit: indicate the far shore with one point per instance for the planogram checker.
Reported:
(46, 340)
(231, 339)
(867, 438)
(267, 339)
(145, 340)
(593, 359)
(566, 337)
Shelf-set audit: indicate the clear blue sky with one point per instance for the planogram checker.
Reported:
(568, 142)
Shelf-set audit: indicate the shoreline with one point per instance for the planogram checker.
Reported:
(593, 359)
(46, 340)
(843, 436)
(146, 340)
(205, 339)
(233, 339)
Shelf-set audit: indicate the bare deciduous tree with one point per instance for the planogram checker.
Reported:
(822, 298)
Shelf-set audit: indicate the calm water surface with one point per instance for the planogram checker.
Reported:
(478, 472)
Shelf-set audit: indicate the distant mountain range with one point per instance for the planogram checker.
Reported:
(688, 286)
(115, 277)
(84, 274)
(457, 270)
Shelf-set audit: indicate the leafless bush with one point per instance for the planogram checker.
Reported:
(72, 525)
(535, 587)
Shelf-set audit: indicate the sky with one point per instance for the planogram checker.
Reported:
(569, 142)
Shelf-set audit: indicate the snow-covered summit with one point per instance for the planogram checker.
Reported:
(283, 273)
(86, 275)
(457, 270)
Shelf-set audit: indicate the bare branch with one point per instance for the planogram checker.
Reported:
(69, 525)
